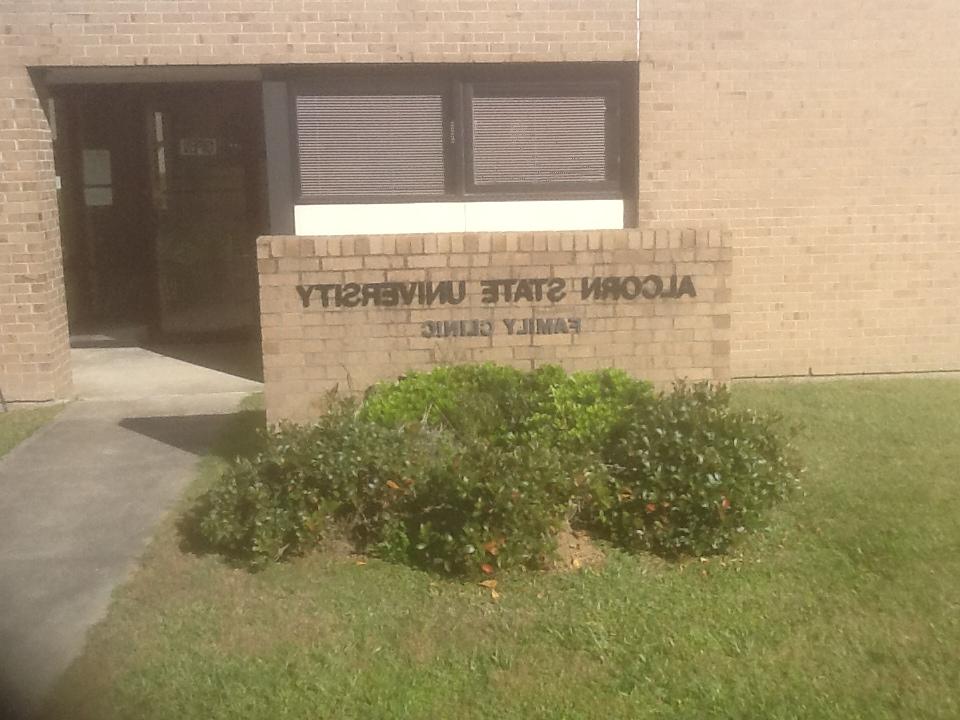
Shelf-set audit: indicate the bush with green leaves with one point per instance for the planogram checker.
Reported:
(489, 402)
(584, 407)
(686, 473)
(475, 468)
(406, 492)
(340, 468)
(490, 507)
(572, 412)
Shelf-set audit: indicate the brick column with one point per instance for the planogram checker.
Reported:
(34, 340)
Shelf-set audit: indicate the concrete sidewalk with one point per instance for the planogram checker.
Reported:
(78, 504)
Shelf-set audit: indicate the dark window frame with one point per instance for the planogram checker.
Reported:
(455, 83)
(429, 84)
(612, 134)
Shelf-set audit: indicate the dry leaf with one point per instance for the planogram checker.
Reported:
(489, 584)
(360, 563)
(392, 485)
(493, 547)
(576, 563)
(494, 595)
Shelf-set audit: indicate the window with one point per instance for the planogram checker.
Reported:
(542, 136)
(366, 145)
(461, 134)
(97, 173)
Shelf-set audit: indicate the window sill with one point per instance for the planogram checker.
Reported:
(456, 217)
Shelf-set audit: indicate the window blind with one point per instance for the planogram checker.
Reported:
(378, 145)
(538, 139)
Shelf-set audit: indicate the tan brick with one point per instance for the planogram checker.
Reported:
(376, 343)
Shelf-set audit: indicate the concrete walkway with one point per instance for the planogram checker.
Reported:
(79, 501)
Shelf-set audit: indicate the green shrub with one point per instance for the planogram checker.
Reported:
(339, 468)
(488, 401)
(491, 507)
(474, 468)
(584, 407)
(687, 474)
(403, 492)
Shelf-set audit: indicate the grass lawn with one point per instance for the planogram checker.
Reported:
(847, 607)
(17, 425)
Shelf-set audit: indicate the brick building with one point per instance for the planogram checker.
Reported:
(146, 144)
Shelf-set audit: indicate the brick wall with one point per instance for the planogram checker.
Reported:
(34, 359)
(158, 32)
(310, 350)
(34, 353)
(825, 137)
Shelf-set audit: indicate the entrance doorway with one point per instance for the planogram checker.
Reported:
(162, 199)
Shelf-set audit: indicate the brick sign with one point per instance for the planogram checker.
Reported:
(347, 312)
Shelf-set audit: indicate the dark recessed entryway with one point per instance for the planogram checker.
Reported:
(162, 199)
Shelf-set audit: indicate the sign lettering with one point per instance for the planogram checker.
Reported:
(524, 290)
